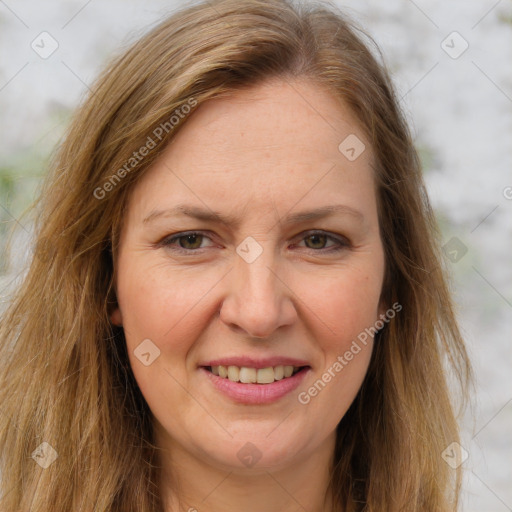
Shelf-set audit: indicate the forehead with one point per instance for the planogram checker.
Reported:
(277, 117)
(277, 143)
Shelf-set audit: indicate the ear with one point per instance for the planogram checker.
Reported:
(116, 317)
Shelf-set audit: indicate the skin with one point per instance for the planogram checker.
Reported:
(259, 155)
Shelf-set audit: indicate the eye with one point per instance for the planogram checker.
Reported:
(318, 239)
(187, 241)
(192, 242)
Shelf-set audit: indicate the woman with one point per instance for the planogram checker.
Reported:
(237, 299)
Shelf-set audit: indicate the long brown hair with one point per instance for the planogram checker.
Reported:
(65, 379)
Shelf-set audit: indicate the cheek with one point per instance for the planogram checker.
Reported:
(341, 309)
(170, 307)
(344, 303)
(161, 305)
(166, 308)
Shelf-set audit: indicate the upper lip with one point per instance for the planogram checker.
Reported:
(255, 362)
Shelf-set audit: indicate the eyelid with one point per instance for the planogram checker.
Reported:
(342, 241)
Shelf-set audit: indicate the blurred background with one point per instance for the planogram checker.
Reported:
(452, 65)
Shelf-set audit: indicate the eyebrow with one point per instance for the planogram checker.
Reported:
(229, 220)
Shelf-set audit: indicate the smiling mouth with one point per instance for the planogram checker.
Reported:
(247, 375)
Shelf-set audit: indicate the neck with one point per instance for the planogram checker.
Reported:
(192, 484)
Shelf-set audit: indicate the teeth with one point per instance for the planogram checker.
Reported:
(265, 375)
(278, 372)
(247, 375)
(233, 373)
(252, 375)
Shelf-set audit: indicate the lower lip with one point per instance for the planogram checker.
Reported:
(256, 394)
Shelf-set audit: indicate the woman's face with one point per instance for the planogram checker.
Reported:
(267, 288)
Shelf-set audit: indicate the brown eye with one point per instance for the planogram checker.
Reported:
(185, 242)
(318, 240)
(192, 241)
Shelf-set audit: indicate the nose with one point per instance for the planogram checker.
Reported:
(258, 300)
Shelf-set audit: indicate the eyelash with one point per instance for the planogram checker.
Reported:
(167, 242)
